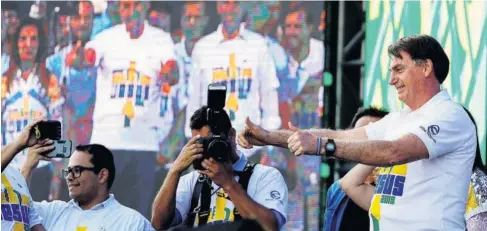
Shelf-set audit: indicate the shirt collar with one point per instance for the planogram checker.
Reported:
(104, 204)
(241, 33)
(439, 97)
(241, 162)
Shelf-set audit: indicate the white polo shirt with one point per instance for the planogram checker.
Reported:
(428, 194)
(266, 187)
(108, 215)
(17, 210)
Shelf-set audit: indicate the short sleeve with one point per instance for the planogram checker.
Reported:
(99, 45)
(184, 194)
(272, 191)
(34, 217)
(140, 223)
(377, 130)
(445, 133)
(267, 71)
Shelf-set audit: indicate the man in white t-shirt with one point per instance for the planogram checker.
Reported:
(89, 176)
(18, 212)
(426, 147)
(263, 196)
(132, 115)
(239, 59)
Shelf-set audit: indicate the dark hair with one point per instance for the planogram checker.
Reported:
(198, 120)
(422, 47)
(478, 156)
(160, 6)
(299, 6)
(371, 111)
(42, 40)
(101, 158)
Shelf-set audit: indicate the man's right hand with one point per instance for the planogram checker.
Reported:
(27, 137)
(191, 151)
(36, 153)
(252, 135)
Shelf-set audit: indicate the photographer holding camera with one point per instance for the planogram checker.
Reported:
(226, 188)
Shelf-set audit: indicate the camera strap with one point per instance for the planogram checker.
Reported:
(202, 191)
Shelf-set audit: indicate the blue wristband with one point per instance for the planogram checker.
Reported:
(318, 147)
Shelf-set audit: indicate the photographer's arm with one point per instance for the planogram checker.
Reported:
(164, 205)
(250, 209)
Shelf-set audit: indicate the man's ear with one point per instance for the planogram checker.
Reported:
(103, 176)
(428, 68)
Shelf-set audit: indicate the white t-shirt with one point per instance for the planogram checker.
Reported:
(428, 194)
(245, 66)
(128, 81)
(25, 101)
(17, 210)
(266, 187)
(108, 215)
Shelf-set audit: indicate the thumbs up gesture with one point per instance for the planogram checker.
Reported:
(301, 142)
(252, 135)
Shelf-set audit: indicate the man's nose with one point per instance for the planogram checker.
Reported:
(392, 80)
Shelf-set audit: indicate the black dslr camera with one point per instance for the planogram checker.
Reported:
(218, 145)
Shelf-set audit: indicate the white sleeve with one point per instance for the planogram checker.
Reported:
(99, 44)
(49, 210)
(137, 223)
(194, 90)
(445, 133)
(272, 191)
(269, 85)
(377, 130)
(184, 193)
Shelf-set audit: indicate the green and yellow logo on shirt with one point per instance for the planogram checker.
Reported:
(390, 184)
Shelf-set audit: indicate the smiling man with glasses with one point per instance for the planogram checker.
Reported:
(89, 176)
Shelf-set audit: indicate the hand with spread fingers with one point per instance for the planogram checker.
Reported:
(220, 173)
(251, 135)
(190, 152)
(302, 142)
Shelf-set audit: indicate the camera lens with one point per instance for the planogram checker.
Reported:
(219, 150)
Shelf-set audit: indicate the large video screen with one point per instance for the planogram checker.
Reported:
(130, 75)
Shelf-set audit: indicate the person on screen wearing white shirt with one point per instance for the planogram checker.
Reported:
(426, 147)
(89, 176)
(132, 113)
(264, 200)
(18, 211)
(240, 59)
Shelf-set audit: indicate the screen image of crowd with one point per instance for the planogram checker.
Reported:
(74, 61)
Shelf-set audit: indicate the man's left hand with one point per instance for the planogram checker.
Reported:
(220, 173)
(301, 142)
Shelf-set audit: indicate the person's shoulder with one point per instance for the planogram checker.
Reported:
(131, 218)
(129, 213)
(255, 38)
(264, 171)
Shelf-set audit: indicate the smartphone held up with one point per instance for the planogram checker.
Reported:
(51, 129)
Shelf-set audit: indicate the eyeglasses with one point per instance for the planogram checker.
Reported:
(76, 170)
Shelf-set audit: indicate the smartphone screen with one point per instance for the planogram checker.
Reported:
(50, 129)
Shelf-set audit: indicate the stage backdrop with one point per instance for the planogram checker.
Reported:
(461, 28)
(70, 24)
